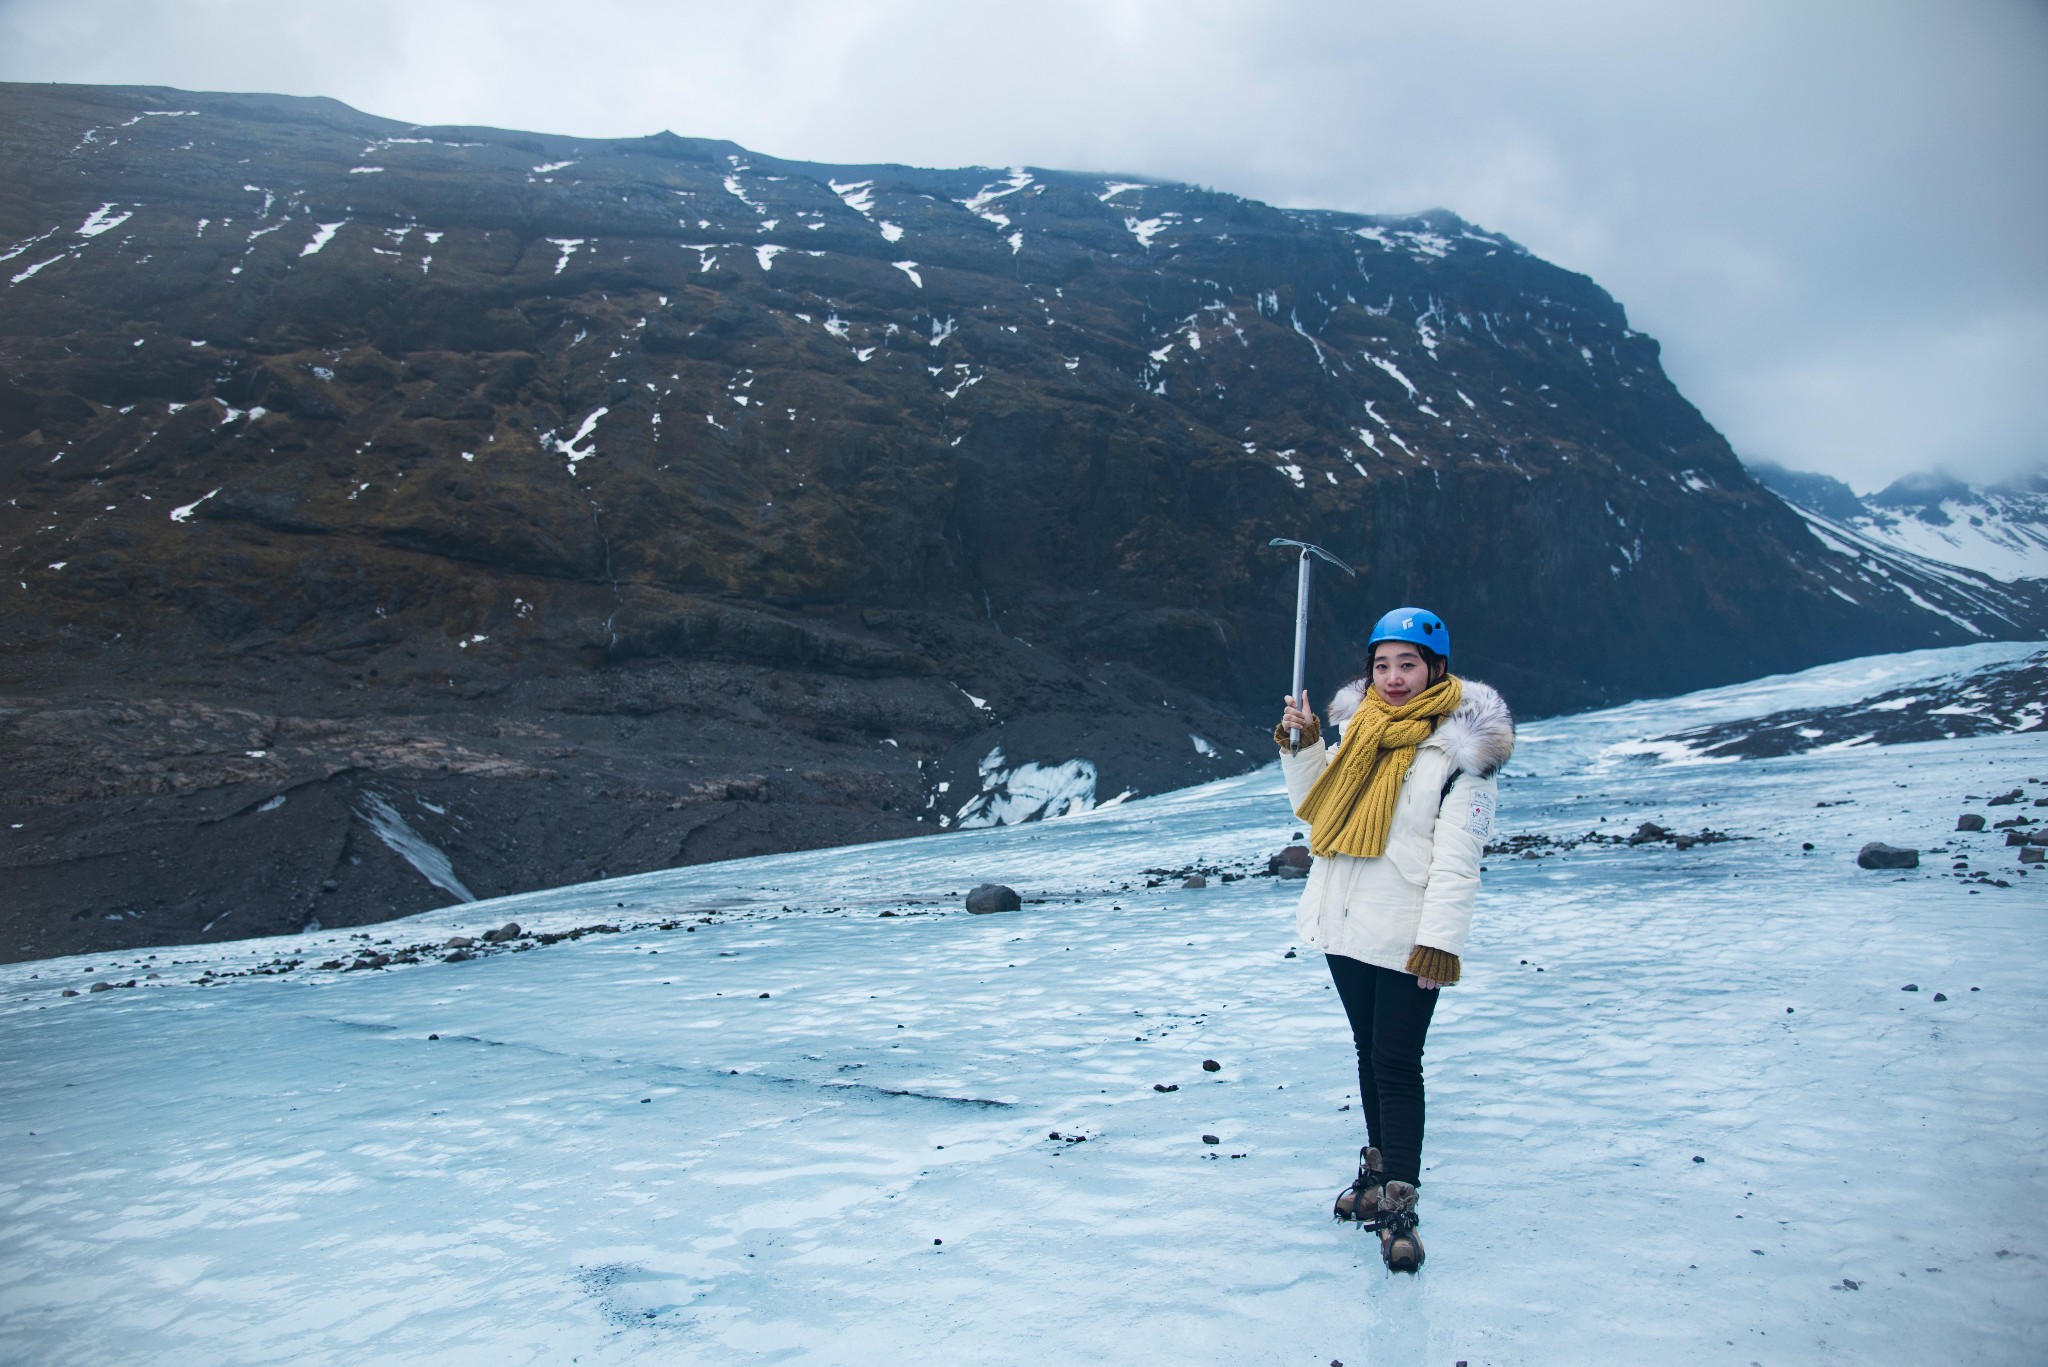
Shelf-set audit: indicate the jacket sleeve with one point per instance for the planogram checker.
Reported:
(1302, 771)
(1464, 823)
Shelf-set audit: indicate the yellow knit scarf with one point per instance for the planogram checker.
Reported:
(1351, 807)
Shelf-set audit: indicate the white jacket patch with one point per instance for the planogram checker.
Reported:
(1480, 821)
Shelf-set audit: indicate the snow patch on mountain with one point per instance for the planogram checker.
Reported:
(425, 856)
(1998, 530)
(103, 219)
(1011, 796)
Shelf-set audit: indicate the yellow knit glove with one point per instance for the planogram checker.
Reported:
(1439, 965)
(1310, 734)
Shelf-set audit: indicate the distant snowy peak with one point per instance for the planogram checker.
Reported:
(2000, 530)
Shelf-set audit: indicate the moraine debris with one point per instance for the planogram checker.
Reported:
(1878, 855)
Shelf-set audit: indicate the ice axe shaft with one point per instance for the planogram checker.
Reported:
(1301, 589)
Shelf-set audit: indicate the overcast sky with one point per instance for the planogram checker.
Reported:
(1833, 215)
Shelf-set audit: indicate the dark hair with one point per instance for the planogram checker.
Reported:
(1437, 665)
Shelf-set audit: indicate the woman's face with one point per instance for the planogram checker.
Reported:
(1398, 672)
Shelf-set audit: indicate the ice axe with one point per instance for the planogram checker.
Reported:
(1301, 620)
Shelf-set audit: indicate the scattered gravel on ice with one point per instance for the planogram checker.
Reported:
(639, 1158)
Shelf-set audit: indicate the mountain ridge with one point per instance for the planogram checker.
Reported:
(604, 505)
(2000, 530)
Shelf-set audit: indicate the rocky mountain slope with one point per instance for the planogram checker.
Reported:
(400, 514)
(2000, 530)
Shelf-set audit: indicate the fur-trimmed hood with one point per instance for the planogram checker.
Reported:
(1478, 737)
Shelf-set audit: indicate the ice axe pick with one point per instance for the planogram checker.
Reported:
(1301, 619)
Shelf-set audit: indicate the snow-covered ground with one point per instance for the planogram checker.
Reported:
(798, 1129)
(2000, 533)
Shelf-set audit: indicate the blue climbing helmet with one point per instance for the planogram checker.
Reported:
(1417, 626)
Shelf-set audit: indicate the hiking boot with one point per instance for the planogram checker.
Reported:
(1360, 1201)
(1400, 1245)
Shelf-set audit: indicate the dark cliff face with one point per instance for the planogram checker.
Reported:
(711, 503)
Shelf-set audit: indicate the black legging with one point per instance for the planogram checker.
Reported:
(1389, 1014)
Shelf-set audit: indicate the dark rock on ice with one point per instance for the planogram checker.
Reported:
(1195, 880)
(1647, 832)
(1210, 1065)
(2033, 854)
(1878, 855)
(1941, 996)
(508, 931)
(1910, 987)
(1166, 1086)
(1211, 1139)
(1970, 821)
(993, 897)
(459, 942)
(1292, 862)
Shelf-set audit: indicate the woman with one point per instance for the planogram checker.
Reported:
(1399, 814)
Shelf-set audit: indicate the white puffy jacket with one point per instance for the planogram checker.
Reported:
(1422, 890)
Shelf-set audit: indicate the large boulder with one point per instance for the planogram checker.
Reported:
(1291, 862)
(1878, 855)
(992, 897)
